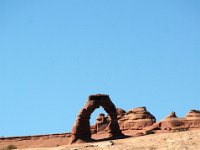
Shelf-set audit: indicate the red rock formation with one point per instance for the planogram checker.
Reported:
(141, 119)
(172, 122)
(81, 130)
(120, 113)
(102, 123)
(171, 115)
(193, 119)
(136, 119)
(193, 114)
(118, 120)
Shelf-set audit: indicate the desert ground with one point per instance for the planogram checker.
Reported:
(166, 141)
(185, 140)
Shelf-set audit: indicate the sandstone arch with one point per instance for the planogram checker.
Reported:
(81, 130)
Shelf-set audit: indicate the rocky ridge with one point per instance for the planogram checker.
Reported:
(140, 119)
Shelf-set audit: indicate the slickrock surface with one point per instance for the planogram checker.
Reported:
(50, 140)
(187, 140)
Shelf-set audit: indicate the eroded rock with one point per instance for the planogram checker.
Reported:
(172, 122)
(136, 119)
(193, 119)
(81, 131)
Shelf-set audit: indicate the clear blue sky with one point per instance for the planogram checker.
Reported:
(54, 53)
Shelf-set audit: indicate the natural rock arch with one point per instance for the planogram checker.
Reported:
(81, 130)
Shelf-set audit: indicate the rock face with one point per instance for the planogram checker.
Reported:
(171, 115)
(172, 122)
(193, 119)
(136, 119)
(81, 130)
(140, 119)
(120, 113)
(193, 114)
(190, 121)
(102, 123)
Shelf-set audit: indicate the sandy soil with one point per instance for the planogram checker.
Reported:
(186, 140)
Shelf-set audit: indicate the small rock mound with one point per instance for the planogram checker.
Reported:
(172, 122)
(172, 115)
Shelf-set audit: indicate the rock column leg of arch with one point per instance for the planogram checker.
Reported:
(113, 128)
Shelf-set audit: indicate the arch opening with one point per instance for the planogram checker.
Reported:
(95, 115)
(99, 123)
(81, 130)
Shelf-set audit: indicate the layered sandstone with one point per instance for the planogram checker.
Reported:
(172, 122)
(193, 119)
(136, 119)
